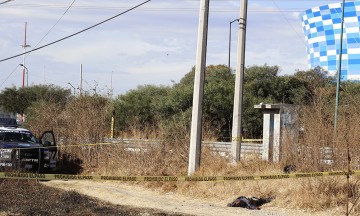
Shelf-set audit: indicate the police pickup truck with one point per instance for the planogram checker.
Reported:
(20, 149)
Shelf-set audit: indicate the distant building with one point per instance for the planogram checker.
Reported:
(322, 29)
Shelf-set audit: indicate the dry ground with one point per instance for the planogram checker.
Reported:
(23, 197)
(138, 196)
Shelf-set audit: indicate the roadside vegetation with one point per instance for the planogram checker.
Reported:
(164, 113)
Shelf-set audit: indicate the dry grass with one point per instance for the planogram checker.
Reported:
(27, 197)
(86, 120)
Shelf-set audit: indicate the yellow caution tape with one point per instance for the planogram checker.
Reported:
(120, 142)
(37, 176)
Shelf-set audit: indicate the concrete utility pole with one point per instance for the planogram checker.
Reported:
(196, 122)
(239, 84)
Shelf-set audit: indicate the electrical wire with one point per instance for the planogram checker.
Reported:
(4, 2)
(27, 53)
(173, 9)
(47, 33)
(67, 37)
(55, 24)
(188, 9)
(288, 22)
(40, 40)
(144, 9)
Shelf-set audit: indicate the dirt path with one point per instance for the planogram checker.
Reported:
(121, 194)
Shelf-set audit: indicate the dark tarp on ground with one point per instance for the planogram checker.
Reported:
(249, 203)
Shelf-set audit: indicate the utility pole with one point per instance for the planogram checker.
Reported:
(23, 63)
(112, 125)
(338, 77)
(44, 75)
(196, 122)
(239, 85)
(81, 79)
(111, 85)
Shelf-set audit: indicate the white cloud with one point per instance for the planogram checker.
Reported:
(153, 44)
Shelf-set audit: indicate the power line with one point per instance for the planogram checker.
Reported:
(40, 40)
(28, 52)
(55, 23)
(187, 9)
(64, 38)
(4, 2)
(171, 8)
(292, 27)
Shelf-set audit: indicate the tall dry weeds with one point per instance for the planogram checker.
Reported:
(87, 120)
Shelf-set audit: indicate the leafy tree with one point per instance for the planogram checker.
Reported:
(259, 81)
(218, 98)
(289, 90)
(259, 87)
(314, 80)
(151, 106)
(10, 99)
(140, 107)
(18, 100)
(180, 95)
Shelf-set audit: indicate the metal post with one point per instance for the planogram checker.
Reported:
(23, 63)
(230, 41)
(196, 124)
(112, 125)
(339, 69)
(27, 75)
(81, 79)
(72, 87)
(239, 85)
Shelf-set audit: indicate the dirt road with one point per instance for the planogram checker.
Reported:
(137, 196)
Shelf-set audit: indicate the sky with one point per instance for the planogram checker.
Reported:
(154, 44)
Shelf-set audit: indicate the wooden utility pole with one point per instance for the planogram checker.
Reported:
(196, 122)
(239, 85)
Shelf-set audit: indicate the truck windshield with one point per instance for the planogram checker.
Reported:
(17, 136)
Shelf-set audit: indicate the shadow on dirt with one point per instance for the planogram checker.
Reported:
(29, 197)
(69, 165)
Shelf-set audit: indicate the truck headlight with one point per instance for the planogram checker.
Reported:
(46, 155)
(5, 153)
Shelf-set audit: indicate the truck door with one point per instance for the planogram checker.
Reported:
(48, 141)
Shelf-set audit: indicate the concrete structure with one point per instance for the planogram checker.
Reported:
(279, 121)
(322, 29)
(196, 119)
(239, 85)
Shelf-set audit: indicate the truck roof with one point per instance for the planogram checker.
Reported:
(6, 128)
